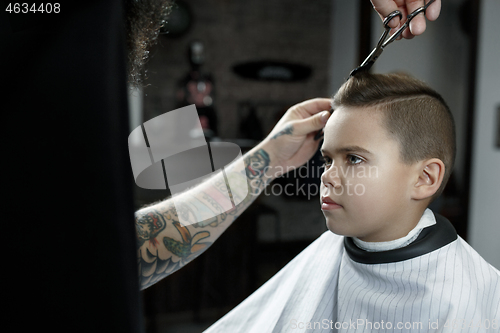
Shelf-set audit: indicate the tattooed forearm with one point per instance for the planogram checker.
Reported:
(171, 235)
(190, 246)
(287, 130)
(257, 166)
(158, 259)
(148, 225)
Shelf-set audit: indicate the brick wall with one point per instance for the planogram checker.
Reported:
(235, 31)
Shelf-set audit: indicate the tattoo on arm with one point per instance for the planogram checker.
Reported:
(159, 254)
(257, 165)
(152, 268)
(148, 226)
(287, 130)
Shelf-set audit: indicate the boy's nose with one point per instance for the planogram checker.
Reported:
(330, 177)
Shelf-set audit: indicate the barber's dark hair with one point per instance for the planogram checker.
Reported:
(414, 114)
(143, 20)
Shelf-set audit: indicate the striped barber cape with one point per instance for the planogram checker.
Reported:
(438, 283)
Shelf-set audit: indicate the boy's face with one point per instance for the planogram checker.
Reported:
(365, 178)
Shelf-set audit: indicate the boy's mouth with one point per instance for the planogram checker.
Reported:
(328, 204)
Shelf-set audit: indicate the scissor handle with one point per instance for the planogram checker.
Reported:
(419, 10)
(391, 16)
(380, 43)
(383, 42)
(410, 17)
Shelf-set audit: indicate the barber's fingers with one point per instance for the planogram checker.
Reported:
(418, 24)
(433, 11)
(311, 124)
(312, 106)
(384, 8)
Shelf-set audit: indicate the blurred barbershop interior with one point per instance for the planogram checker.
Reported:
(244, 63)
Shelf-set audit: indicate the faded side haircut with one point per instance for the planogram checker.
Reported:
(414, 115)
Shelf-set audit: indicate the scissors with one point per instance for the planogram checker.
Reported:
(382, 43)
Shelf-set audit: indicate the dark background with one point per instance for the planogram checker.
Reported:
(69, 230)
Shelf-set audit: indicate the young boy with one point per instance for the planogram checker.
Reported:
(388, 263)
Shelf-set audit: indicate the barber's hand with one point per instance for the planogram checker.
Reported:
(291, 143)
(417, 25)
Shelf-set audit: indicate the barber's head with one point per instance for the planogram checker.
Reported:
(143, 18)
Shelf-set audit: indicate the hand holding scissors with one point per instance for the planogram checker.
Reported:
(393, 19)
(417, 27)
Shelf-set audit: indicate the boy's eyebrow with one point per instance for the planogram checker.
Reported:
(348, 149)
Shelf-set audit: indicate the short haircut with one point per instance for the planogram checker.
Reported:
(414, 115)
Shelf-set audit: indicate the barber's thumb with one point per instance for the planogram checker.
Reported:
(311, 124)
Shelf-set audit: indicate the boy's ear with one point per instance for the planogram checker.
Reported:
(430, 177)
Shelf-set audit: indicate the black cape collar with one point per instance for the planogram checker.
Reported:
(430, 239)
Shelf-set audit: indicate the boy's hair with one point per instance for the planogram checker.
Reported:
(414, 114)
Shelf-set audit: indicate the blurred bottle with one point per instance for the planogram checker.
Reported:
(197, 87)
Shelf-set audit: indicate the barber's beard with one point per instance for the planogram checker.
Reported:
(144, 18)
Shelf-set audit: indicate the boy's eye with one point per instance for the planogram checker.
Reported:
(353, 159)
(326, 161)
